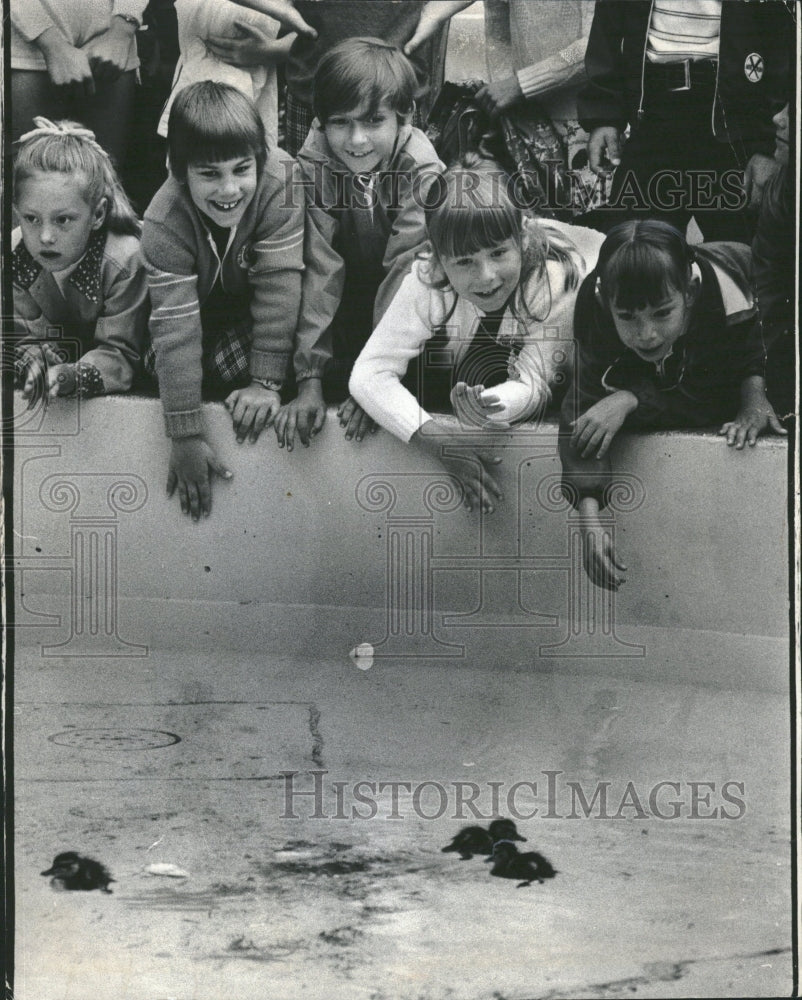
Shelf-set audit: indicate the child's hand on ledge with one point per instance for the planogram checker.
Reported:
(191, 458)
(306, 414)
(61, 380)
(252, 410)
(602, 565)
(474, 405)
(755, 416)
(595, 429)
(460, 456)
(355, 421)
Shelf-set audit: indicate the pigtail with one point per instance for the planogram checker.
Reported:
(120, 215)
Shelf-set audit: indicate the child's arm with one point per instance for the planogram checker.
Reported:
(177, 339)
(399, 338)
(408, 233)
(563, 69)
(755, 415)
(601, 564)
(274, 274)
(469, 464)
(321, 290)
(121, 327)
(593, 431)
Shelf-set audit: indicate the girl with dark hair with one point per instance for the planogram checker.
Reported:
(667, 336)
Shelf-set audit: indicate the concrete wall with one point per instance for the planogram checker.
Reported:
(706, 544)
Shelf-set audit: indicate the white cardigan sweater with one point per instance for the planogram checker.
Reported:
(418, 309)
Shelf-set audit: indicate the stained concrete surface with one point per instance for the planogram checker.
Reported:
(324, 907)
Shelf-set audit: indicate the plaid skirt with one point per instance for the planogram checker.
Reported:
(226, 362)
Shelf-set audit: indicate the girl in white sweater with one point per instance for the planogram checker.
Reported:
(484, 321)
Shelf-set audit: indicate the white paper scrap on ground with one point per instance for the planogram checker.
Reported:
(168, 870)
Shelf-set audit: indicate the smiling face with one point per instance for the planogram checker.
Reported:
(486, 277)
(361, 140)
(652, 331)
(56, 220)
(223, 190)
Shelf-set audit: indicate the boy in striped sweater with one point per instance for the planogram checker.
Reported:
(223, 243)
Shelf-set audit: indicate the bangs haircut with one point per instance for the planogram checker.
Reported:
(641, 263)
(213, 122)
(473, 210)
(363, 71)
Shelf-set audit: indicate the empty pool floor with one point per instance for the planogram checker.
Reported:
(201, 761)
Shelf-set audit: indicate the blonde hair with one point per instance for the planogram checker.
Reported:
(66, 147)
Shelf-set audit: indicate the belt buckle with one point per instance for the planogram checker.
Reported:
(686, 63)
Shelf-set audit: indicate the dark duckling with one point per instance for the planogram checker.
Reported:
(72, 871)
(469, 841)
(504, 829)
(527, 868)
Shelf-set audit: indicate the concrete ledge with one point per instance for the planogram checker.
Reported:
(706, 542)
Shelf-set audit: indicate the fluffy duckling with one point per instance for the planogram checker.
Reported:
(71, 871)
(527, 868)
(469, 841)
(504, 829)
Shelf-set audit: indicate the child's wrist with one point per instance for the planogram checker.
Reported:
(266, 383)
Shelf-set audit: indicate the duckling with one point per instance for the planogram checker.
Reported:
(528, 867)
(504, 829)
(72, 871)
(469, 841)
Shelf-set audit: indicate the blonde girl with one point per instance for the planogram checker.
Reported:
(79, 287)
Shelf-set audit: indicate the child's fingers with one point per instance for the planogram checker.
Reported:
(491, 486)
(776, 426)
(172, 481)
(319, 421)
(219, 469)
(346, 411)
(487, 458)
(243, 420)
(590, 441)
(365, 426)
(205, 497)
(289, 432)
(302, 423)
(258, 425)
(279, 426)
(193, 499)
(604, 447)
(353, 423)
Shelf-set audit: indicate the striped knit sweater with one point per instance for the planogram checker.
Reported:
(262, 263)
